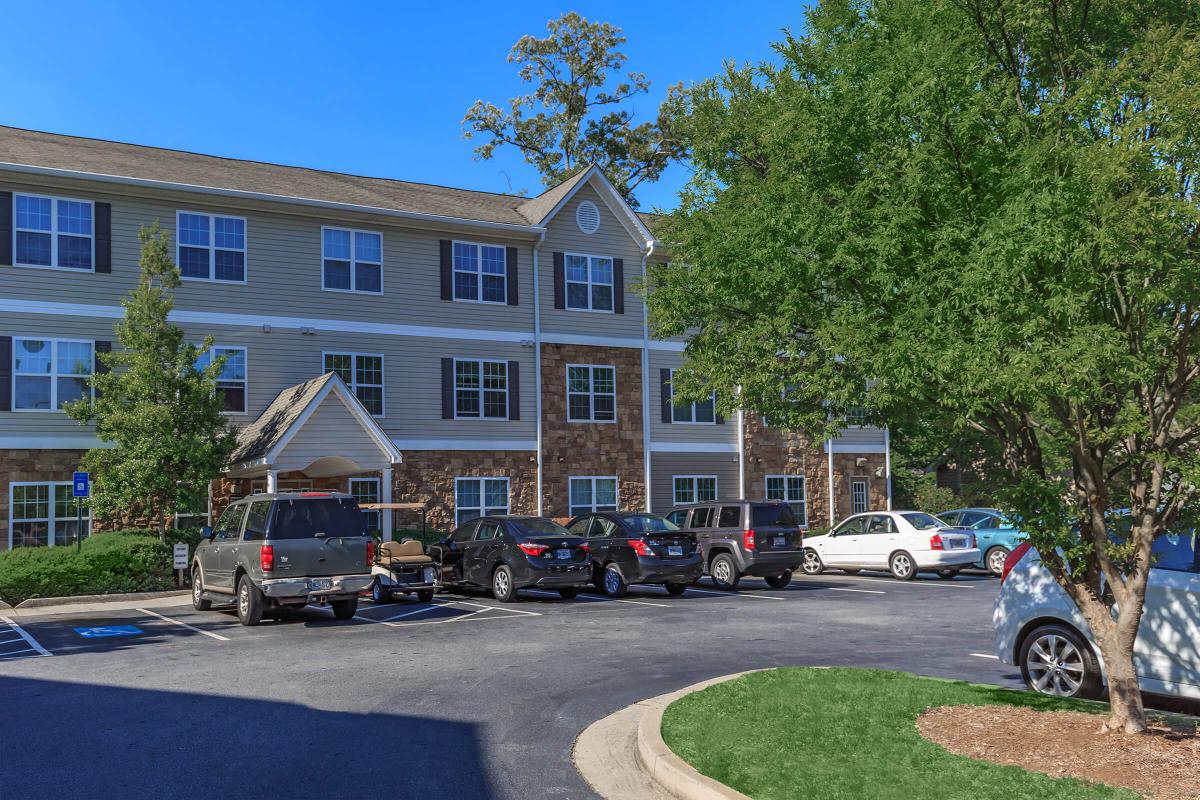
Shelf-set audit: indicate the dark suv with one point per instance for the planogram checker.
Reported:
(745, 537)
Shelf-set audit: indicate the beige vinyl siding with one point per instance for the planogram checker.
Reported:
(331, 429)
(864, 436)
(660, 431)
(612, 240)
(664, 466)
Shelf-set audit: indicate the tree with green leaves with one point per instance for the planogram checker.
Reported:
(576, 113)
(160, 413)
(987, 211)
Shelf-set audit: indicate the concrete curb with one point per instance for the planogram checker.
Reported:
(99, 604)
(45, 602)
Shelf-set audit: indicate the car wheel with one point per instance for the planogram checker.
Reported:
(380, 593)
(811, 565)
(724, 572)
(779, 581)
(995, 559)
(948, 574)
(502, 584)
(198, 601)
(425, 595)
(614, 581)
(676, 589)
(344, 609)
(1056, 661)
(902, 566)
(249, 602)
(569, 592)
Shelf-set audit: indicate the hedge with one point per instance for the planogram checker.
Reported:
(107, 563)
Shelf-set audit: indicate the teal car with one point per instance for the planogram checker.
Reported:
(995, 536)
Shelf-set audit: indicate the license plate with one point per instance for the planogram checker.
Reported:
(781, 541)
(563, 555)
(674, 550)
(320, 583)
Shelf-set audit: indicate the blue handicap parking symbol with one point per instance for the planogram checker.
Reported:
(108, 630)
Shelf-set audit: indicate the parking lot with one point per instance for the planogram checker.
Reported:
(464, 698)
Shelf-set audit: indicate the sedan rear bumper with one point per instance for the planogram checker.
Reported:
(652, 569)
(945, 559)
(301, 587)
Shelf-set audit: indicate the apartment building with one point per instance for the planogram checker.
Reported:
(405, 342)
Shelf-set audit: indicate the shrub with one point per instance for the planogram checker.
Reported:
(107, 563)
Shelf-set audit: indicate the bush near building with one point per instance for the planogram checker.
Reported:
(107, 563)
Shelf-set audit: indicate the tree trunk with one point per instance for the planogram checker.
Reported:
(162, 527)
(1126, 712)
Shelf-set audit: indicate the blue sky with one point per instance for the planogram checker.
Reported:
(380, 91)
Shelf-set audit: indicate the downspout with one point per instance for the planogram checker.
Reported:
(741, 434)
(646, 378)
(829, 452)
(887, 463)
(537, 364)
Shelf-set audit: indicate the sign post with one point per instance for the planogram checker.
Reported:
(81, 486)
(179, 554)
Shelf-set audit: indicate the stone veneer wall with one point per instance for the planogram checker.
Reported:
(32, 465)
(584, 449)
(427, 476)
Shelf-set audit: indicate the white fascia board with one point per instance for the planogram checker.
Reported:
(612, 198)
(693, 447)
(835, 446)
(467, 444)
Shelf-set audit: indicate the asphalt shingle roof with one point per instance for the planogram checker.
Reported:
(255, 440)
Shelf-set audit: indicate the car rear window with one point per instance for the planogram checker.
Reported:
(772, 516)
(649, 523)
(304, 518)
(538, 527)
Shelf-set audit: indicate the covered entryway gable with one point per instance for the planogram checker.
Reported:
(320, 429)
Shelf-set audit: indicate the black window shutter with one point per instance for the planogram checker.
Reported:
(618, 286)
(447, 388)
(6, 233)
(99, 367)
(510, 270)
(514, 390)
(103, 237)
(560, 281)
(665, 375)
(447, 269)
(6, 369)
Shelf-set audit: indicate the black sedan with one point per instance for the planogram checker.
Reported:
(637, 547)
(507, 553)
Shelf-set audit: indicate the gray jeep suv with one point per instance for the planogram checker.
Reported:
(745, 537)
(284, 550)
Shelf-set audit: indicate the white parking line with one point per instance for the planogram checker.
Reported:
(599, 599)
(33, 643)
(493, 608)
(210, 634)
(984, 655)
(412, 613)
(939, 583)
(860, 591)
(734, 594)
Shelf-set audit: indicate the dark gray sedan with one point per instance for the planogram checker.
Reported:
(638, 547)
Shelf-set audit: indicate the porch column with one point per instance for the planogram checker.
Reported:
(386, 497)
(272, 481)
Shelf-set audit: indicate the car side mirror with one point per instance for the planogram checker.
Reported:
(206, 532)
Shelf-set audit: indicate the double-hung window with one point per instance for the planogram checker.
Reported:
(593, 494)
(703, 412)
(231, 383)
(53, 232)
(44, 514)
(480, 389)
(589, 282)
(480, 273)
(211, 247)
(591, 393)
(789, 489)
(366, 490)
(694, 489)
(479, 497)
(363, 373)
(47, 373)
(352, 261)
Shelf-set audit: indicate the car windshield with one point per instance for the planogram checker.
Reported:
(922, 522)
(773, 516)
(648, 523)
(304, 518)
(536, 526)
(1177, 551)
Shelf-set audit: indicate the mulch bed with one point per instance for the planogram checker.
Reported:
(1163, 764)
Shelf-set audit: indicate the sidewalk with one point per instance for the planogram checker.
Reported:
(48, 606)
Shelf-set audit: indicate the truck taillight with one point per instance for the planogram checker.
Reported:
(935, 542)
(266, 557)
(370, 552)
(748, 540)
(1014, 558)
(640, 547)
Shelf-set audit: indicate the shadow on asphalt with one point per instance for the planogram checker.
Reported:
(86, 740)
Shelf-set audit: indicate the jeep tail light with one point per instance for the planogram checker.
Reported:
(936, 543)
(370, 551)
(748, 540)
(1014, 558)
(530, 549)
(266, 557)
(640, 547)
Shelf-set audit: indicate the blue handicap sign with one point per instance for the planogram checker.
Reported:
(81, 484)
(108, 630)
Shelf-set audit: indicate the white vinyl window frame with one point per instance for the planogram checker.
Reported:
(591, 393)
(483, 508)
(51, 519)
(591, 260)
(376, 492)
(242, 383)
(692, 482)
(591, 481)
(788, 496)
(478, 272)
(212, 248)
(676, 408)
(860, 496)
(53, 231)
(53, 375)
(481, 391)
(354, 259)
(354, 383)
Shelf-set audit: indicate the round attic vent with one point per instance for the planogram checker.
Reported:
(587, 216)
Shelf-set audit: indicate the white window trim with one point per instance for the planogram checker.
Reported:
(695, 489)
(53, 375)
(353, 384)
(482, 495)
(212, 247)
(378, 483)
(50, 527)
(479, 273)
(245, 381)
(803, 491)
(353, 260)
(54, 232)
(591, 393)
(692, 421)
(480, 390)
(866, 484)
(202, 514)
(591, 509)
(590, 283)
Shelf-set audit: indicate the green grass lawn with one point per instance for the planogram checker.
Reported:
(850, 734)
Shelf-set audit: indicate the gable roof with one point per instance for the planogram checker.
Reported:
(538, 208)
